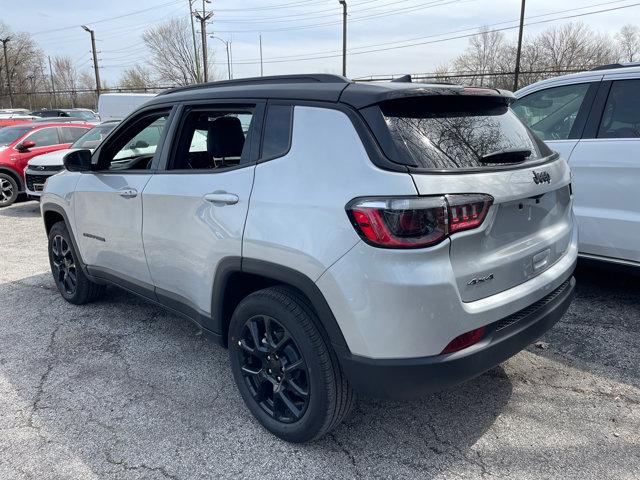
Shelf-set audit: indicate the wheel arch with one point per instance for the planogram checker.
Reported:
(53, 213)
(236, 278)
(16, 177)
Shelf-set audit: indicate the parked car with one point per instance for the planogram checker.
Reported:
(15, 119)
(84, 114)
(50, 112)
(389, 238)
(593, 119)
(41, 167)
(20, 143)
(117, 106)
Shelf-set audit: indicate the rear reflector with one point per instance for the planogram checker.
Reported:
(464, 341)
(416, 222)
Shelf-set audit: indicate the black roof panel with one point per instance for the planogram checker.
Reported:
(314, 87)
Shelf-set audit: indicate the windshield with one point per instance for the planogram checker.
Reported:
(10, 134)
(94, 137)
(83, 114)
(457, 134)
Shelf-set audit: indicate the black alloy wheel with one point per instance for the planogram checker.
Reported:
(64, 266)
(274, 369)
(8, 190)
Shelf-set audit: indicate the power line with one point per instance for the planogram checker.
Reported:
(372, 50)
(173, 2)
(283, 18)
(396, 11)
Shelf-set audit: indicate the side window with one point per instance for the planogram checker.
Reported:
(621, 116)
(213, 139)
(277, 131)
(71, 134)
(135, 144)
(45, 137)
(551, 113)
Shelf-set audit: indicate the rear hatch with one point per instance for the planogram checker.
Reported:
(470, 142)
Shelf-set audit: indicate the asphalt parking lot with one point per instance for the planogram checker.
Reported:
(122, 389)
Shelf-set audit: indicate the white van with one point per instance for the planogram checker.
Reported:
(116, 106)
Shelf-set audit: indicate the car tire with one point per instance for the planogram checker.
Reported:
(67, 270)
(9, 190)
(293, 385)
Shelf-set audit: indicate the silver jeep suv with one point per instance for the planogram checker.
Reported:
(389, 239)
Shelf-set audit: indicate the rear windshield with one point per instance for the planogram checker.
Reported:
(461, 132)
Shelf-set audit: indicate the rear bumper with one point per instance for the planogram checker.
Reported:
(412, 377)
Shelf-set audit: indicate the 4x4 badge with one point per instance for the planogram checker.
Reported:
(541, 177)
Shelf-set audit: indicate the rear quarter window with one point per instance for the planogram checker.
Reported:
(277, 131)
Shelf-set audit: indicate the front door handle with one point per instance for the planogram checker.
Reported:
(222, 198)
(128, 192)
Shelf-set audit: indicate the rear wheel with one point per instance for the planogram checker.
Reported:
(8, 190)
(67, 272)
(288, 377)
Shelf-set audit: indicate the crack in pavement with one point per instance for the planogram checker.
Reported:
(350, 456)
(35, 403)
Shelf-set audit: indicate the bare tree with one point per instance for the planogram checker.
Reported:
(66, 80)
(574, 46)
(485, 54)
(628, 39)
(171, 47)
(136, 79)
(25, 59)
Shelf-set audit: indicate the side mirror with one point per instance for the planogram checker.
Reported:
(25, 146)
(78, 161)
(140, 144)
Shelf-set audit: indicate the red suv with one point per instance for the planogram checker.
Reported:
(20, 143)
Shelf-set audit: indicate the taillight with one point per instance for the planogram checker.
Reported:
(416, 222)
(464, 341)
(467, 211)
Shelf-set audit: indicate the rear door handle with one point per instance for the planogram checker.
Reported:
(128, 192)
(222, 198)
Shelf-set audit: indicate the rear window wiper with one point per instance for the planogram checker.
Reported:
(512, 155)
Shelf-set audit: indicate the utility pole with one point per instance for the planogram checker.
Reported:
(203, 18)
(519, 51)
(226, 44)
(195, 46)
(53, 85)
(344, 37)
(95, 59)
(31, 78)
(6, 66)
(261, 68)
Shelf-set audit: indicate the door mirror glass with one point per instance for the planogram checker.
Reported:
(78, 160)
(140, 144)
(25, 146)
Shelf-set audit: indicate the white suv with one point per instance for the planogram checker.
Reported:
(593, 119)
(389, 239)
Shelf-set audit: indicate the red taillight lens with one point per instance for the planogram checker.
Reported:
(416, 222)
(400, 222)
(467, 211)
(465, 340)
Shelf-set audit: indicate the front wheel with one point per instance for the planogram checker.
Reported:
(287, 375)
(8, 190)
(73, 284)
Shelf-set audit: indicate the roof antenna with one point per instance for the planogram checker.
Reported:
(403, 79)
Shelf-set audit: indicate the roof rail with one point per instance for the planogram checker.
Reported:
(612, 66)
(274, 79)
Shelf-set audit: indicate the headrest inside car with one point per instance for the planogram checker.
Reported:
(225, 138)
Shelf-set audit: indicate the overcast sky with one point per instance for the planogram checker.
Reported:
(292, 27)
